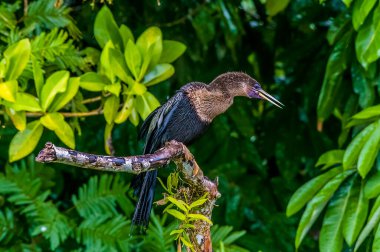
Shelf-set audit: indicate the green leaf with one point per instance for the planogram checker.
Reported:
(56, 122)
(150, 42)
(8, 90)
(356, 213)
(62, 99)
(317, 204)
(125, 111)
(145, 104)
(134, 117)
(178, 203)
(354, 148)
(159, 73)
(133, 58)
(376, 240)
(171, 50)
(113, 88)
(16, 58)
(106, 29)
(372, 221)
(111, 105)
(56, 83)
(362, 85)
(108, 138)
(186, 242)
(25, 102)
(273, 7)
(367, 43)
(332, 82)
(106, 60)
(372, 186)
(93, 82)
(306, 192)
(369, 152)
(198, 202)
(126, 34)
(347, 3)
(37, 75)
(360, 11)
(368, 113)
(177, 231)
(24, 142)
(118, 63)
(330, 158)
(199, 217)
(339, 26)
(176, 214)
(18, 118)
(331, 238)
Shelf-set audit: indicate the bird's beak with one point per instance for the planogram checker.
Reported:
(265, 96)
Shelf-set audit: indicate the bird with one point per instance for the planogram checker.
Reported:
(184, 117)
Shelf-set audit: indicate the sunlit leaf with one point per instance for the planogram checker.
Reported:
(369, 152)
(178, 203)
(306, 192)
(37, 75)
(145, 104)
(62, 99)
(56, 83)
(150, 42)
(331, 238)
(171, 50)
(25, 102)
(111, 106)
(372, 186)
(330, 158)
(159, 73)
(24, 142)
(93, 82)
(18, 118)
(360, 12)
(368, 113)
(273, 7)
(198, 202)
(8, 90)
(106, 29)
(125, 111)
(200, 217)
(133, 58)
(108, 138)
(126, 34)
(372, 221)
(336, 65)
(354, 148)
(113, 88)
(106, 62)
(367, 43)
(16, 57)
(176, 214)
(56, 122)
(317, 204)
(356, 213)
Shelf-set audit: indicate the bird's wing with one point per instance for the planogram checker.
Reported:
(155, 125)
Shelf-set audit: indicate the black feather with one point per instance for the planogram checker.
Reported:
(174, 120)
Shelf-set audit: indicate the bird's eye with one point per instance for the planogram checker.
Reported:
(256, 86)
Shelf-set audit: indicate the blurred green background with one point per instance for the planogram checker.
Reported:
(85, 74)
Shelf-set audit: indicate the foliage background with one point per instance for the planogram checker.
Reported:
(319, 59)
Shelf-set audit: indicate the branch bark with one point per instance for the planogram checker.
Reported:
(172, 151)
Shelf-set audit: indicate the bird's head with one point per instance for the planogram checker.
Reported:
(241, 84)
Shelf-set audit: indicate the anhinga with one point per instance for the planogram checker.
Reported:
(184, 117)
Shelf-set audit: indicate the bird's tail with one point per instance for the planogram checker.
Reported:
(144, 185)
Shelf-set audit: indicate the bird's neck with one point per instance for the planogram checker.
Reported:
(210, 102)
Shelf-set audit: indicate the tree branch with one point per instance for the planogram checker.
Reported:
(174, 151)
